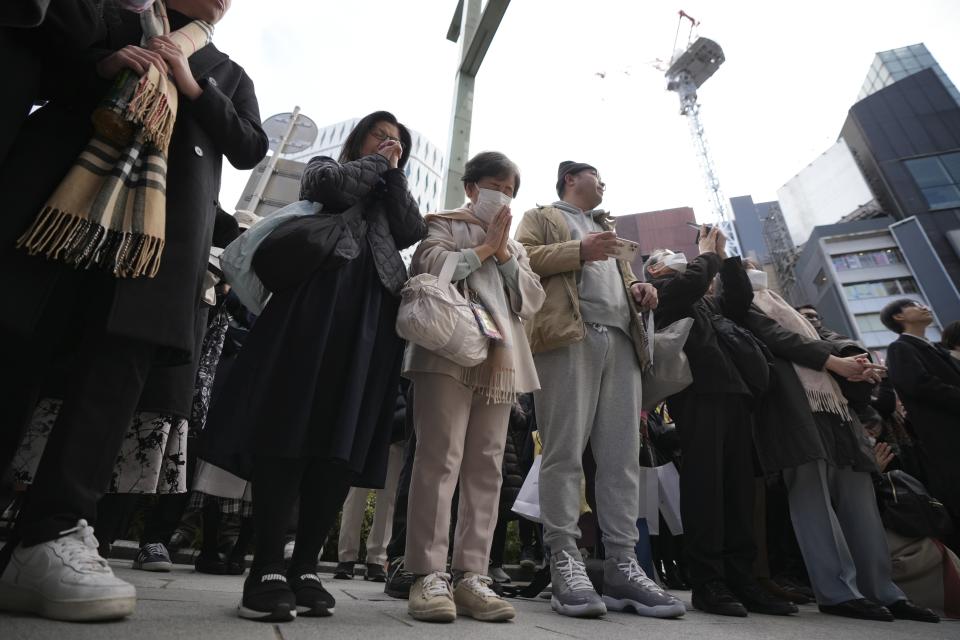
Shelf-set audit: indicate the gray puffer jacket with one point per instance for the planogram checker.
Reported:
(393, 219)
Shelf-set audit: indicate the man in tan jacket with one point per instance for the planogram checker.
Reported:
(590, 347)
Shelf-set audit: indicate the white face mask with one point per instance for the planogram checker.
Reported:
(488, 203)
(676, 261)
(757, 278)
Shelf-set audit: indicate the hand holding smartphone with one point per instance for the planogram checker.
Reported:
(694, 225)
(625, 250)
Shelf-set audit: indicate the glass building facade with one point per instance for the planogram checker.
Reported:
(896, 64)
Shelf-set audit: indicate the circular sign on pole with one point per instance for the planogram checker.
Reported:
(303, 135)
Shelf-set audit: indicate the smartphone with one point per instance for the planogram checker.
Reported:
(626, 250)
(694, 225)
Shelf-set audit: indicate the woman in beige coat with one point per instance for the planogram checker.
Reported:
(461, 413)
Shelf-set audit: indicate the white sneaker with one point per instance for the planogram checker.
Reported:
(65, 579)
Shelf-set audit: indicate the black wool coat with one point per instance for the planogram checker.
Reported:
(514, 471)
(785, 431)
(38, 63)
(684, 295)
(223, 122)
(927, 379)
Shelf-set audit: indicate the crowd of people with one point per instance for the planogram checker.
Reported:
(139, 363)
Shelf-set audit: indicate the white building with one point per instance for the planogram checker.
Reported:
(825, 191)
(424, 169)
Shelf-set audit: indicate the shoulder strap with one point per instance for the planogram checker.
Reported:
(449, 266)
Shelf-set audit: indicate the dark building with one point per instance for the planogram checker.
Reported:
(748, 218)
(665, 229)
(906, 140)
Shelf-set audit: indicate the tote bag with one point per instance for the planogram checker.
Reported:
(670, 371)
(436, 316)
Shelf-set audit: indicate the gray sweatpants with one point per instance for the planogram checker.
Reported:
(835, 516)
(590, 392)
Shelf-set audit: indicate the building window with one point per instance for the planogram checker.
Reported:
(867, 259)
(880, 289)
(938, 178)
(870, 322)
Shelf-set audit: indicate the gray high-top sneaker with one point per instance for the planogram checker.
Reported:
(626, 586)
(573, 593)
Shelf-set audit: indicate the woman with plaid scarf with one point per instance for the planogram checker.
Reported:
(114, 234)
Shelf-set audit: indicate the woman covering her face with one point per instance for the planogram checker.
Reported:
(308, 408)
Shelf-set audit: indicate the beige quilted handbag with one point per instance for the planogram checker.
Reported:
(436, 316)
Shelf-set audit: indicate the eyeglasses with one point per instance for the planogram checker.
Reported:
(382, 136)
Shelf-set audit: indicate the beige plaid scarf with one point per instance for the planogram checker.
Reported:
(110, 209)
(823, 392)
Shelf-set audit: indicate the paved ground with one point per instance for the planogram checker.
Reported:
(185, 604)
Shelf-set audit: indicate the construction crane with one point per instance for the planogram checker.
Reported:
(687, 72)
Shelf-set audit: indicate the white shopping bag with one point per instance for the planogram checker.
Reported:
(527, 503)
(650, 499)
(670, 497)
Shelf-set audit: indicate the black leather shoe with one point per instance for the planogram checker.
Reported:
(758, 600)
(795, 588)
(906, 610)
(862, 609)
(715, 597)
(211, 563)
(375, 573)
(344, 571)
(779, 592)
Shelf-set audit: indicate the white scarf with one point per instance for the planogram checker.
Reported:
(823, 392)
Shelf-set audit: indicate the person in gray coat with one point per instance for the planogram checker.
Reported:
(806, 430)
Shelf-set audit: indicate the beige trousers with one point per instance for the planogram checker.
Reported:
(460, 436)
(354, 508)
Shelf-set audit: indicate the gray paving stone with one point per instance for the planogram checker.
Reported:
(183, 604)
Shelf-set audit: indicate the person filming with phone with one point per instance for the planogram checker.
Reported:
(713, 417)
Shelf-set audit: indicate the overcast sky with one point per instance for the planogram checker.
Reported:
(792, 71)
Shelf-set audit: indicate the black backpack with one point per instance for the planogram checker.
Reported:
(749, 355)
(908, 509)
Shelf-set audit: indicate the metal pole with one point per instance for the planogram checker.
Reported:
(271, 166)
(462, 113)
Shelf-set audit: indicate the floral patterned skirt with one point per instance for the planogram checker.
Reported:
(152, 459)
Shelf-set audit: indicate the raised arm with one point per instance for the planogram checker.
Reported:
(681, 291)
(736, 292)
(403, 215)
(338, 186)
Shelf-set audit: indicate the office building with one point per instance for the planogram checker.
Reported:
(896, 64)
(851, 270)
(666, 229)
(905, 139)
(424, 170)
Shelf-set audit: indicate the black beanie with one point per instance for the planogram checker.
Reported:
(569, 166)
